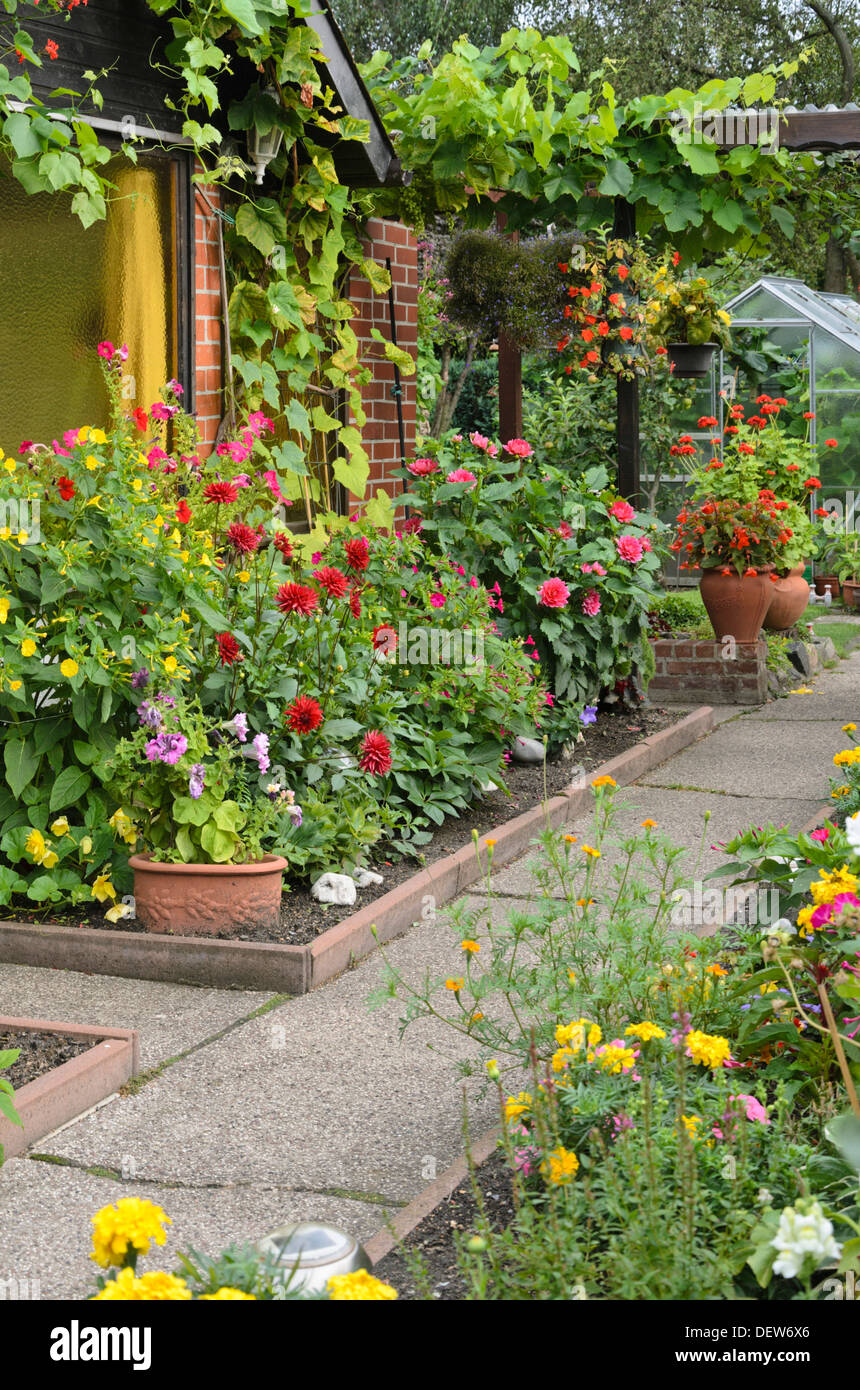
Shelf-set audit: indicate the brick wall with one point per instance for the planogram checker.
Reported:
(380, 435)
(690, 672)
(208, 338)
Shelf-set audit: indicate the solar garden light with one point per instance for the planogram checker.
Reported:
(312, 1252)
(264, 147)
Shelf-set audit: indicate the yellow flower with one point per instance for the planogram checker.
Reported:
(60, 827)
(470, 946)
(571, 977)
(604, 782)
(28, 647)
(516, 1106)
(359, 1286)
(103, 889)
(137, 484)
(707, 1049)
(849, 728)
(244, 576)
(455, 985)
(4, 609)
(847, 757)
(15, 685)
(645, 1031)
(573, 1034)
(571, 839)
(93, 463)
(98, 437)
(831, 885)
(123, 825)
(156, 1287)
(561, 1165)
(36, 845)
(131, 1223)
(170, 664)
(227, 1295)
(69, 668)
(716, 969)
(648, 824)
(690, 1122)
(559, 1058)
(593, 853)
(86, 845)
(615, 1059)
(49, 860)
(490, 843)
(840, 791)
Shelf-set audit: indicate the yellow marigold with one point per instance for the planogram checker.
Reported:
(69, 668)
(560, 1058)
(573, 1034)
(832, 884)
(471, 947)
(645, 1031)
(716, 969)
(571, 977)
(648, 824)
(849, 728)
(571, 839)
(707, 1049)
(131, 1223)
(516, 1106)
(593, 853)
(227, 1295)
(604, 782)
(585, 902)
(359, 1286)
(615, 1059)
(847, 757)
(561, 1165)
(455, 985)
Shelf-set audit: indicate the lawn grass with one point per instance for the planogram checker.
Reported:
(844, 636)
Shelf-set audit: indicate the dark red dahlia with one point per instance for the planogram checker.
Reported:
(297, 598)
(243, 539)
(303, 715)
(357, 553)
(334, 581)
(375, 754)
(412, 527)
(284, 545)
(228, 648)
(221, 494)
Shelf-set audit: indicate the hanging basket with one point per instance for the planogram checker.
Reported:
(691, 359)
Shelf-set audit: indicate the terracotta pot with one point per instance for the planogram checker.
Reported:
(736, 604)
(822, 580)
(790, 598)
(691, 359)
(207, 899)
(851, 593)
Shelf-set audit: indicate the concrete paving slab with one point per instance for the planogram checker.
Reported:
(170, 1017)
(47, 1231)
(740, 759)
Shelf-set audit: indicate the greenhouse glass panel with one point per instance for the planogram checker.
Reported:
(837, 366)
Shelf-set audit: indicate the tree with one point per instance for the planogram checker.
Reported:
(401, 26)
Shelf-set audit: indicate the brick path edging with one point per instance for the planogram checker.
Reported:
(298, 969)
(68, 1090)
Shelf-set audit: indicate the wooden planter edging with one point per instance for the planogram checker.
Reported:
(73, 1087)
(298, 969)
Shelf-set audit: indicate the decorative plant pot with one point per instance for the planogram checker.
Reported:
(790, 598)
(736, 604)
(207, 899)
(691, 359)
(851, 593)
(821, 582)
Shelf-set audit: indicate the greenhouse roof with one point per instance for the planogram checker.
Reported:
(837, 314)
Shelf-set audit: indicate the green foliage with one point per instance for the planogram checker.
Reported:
(501, 286)
(7, 1094)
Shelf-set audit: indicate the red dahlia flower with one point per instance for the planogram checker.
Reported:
(357, 553)
(303, 715)
(375, 753)
(334, 581)
(296, 598)
(242, 539)
(220, 494)
(283, 545)
(355, 602)
(228, 648)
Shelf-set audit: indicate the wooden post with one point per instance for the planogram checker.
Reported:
(510, 374)
(627, 392)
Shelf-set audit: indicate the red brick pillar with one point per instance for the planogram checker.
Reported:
(208, 324)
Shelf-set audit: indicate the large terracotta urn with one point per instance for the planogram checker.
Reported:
(736, 604)
(207, 899)
(790, 598)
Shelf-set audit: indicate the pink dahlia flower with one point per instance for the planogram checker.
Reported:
(553, 593)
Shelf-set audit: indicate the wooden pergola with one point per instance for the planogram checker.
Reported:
(826, 130)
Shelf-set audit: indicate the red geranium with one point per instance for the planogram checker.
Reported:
(297, 598)
(67, 488)
(228, 648)
(141, 419)
(375, 754)
(303, 715)
(183, 512)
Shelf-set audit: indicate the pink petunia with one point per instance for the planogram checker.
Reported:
(821, 834)
(753, 1108)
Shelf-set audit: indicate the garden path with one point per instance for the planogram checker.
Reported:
(255, 1110)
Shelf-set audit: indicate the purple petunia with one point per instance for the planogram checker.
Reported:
(166, 748)
(149, 716)
(196, 781)
(589, 715)
(140, 679)
(260, 745)
(239, 726)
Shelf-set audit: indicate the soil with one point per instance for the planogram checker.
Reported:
(432, 1242)
(303, 919)
(40, 1052)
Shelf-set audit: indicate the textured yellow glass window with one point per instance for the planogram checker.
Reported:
(65, 289)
